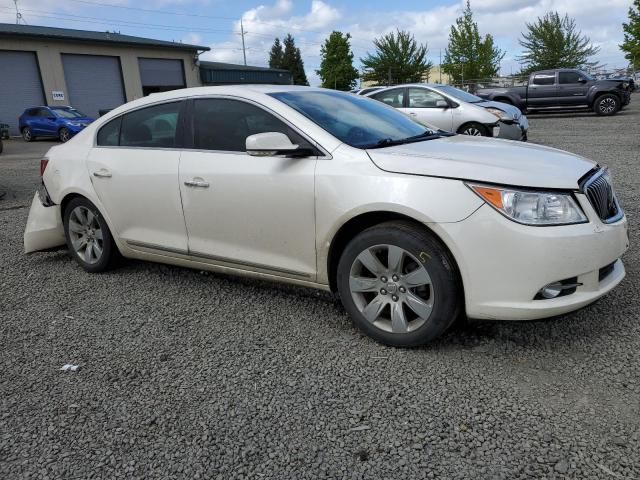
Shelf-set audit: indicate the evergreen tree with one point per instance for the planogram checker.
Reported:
(631, 44)
(336, 67)
(468, 55)
(276, 54)
(399, 58)
(554, 42)
(292, 61)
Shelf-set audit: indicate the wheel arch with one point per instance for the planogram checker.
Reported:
(365, 220)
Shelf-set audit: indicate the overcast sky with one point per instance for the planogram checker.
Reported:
(215, 23)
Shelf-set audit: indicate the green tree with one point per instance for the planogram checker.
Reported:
(398, 59)
(336, 65)
(631, 44)
(276, 54)
(292, 61)
(554, 42)
(468, 55)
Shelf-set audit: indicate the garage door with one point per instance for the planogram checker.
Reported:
(160, 75)
(21, 86)
(94, 82)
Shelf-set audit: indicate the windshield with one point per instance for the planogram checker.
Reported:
(458, 94)
(355, 120)
(67, 113)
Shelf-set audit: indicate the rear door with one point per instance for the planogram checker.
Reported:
(429, 107)
(134, 171)
(41, 123)
(542, 90)
(572, 88)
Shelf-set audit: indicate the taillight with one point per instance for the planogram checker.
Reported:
(43, 165)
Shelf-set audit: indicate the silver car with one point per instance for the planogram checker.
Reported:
(454, 110)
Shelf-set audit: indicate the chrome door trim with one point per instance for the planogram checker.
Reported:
(152, 246)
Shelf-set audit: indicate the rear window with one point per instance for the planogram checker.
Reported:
(544, 79)
(109, 135)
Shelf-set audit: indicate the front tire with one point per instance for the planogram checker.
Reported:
(607, 104)
(64, 134)
(27, 134)
(474, 129)
(399, 284)
(88, 237)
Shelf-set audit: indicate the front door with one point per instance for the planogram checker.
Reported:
(430, 108)
(572, 89)
(246, 212)
(44, 122)
(134, 171)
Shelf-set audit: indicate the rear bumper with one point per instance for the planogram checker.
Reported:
(44, 227)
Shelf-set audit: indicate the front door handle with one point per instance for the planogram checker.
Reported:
(413, 114)
(102, 173)
(197, 183)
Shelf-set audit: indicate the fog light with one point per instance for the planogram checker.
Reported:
(552, 290)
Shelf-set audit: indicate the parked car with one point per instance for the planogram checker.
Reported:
(4, 131)
(454, 110)
(562, 89)
(364, 91)
(412, 227)
(1, 145)
(59, 122)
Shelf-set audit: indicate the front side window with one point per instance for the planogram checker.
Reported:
(544, 79)
(67, 113)
(423, 98)
(223, 124)
(393, 98)
(355, 120)
(151, 127)
(569, 77)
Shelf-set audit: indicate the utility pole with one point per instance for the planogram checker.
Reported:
(244, 53)
(18, 14)
(389, 79)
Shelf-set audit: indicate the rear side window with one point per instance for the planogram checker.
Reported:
(109, 135)
(151, 127)
(544, 79)
(223, 124)
(569, 77)
(394, 97)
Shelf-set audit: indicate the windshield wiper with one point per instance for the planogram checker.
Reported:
(427, 135)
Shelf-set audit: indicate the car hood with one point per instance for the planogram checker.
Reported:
(505, 107)
(485, 160)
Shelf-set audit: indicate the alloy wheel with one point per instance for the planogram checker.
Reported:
(26, 134)
(607, 105)
(64, 135)
(473, 131)
(391, 288)
(86, 234)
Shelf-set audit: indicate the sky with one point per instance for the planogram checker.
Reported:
(216, 23)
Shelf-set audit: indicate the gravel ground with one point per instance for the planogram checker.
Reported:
(191, 375)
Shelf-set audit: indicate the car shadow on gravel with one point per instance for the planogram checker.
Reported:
(572, 114)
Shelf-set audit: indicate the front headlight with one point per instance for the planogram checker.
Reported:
(499, 113)
(532, 208)
(76, 124)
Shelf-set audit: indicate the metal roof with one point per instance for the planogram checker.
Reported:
(233, 66)
(88, 36)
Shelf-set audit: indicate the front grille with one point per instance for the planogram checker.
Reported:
(599, 191)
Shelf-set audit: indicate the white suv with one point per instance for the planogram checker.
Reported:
(411, 227)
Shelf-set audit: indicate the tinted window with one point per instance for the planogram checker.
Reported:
(68, 113)
(151, 127)
(43, 112)
(355, 120)
(221, 124)
(569, 77)
(423, 98)
(32, 112)
(394, 97)
(459, 94)
(108, 136)
(544, 79)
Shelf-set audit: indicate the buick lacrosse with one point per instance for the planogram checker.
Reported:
(411, 227)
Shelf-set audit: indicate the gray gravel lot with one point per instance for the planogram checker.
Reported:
(191, 375)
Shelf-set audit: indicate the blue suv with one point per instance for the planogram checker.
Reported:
(60, 122)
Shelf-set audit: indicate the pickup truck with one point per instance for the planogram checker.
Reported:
(563, 89)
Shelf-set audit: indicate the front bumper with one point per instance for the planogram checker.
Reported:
(514, 130)
(505, 264)
(75, 129)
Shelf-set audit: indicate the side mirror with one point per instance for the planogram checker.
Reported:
(582, 80)
(270, 144)
(442, 104)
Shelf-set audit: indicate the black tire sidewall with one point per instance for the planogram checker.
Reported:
(483, 130)
(30, 139)
(447, 289)
(63, 129)
(109, 249)
(603, 97)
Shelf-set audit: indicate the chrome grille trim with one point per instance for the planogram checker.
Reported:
(600, 194)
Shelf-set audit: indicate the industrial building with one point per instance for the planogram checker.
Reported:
(98, 71)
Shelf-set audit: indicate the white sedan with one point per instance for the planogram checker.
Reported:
(411, 227)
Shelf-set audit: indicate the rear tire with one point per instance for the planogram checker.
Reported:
(474, 129)
(399, 284)
(64, 134)
(27, 134)
(88, 237)
(607, 104)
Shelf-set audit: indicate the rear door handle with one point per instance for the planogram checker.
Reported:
(102, 173)
(197, 184)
